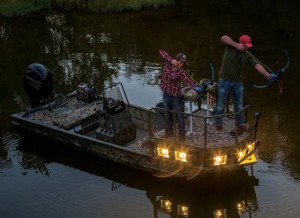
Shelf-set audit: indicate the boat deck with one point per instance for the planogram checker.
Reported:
(74, 113)
(67, 116)
(196, 135)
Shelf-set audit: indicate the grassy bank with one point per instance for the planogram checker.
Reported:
(21, 7)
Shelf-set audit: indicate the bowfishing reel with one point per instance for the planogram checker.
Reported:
(202, 90)
(203, 87)
(208, 86)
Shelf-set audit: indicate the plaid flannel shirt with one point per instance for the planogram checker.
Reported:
(171, 78)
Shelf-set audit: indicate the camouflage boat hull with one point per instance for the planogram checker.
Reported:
(132, 137)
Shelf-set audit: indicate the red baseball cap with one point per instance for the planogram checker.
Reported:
(246, 40)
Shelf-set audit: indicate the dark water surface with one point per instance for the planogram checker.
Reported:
(37, 180)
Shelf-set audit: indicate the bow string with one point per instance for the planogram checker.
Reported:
(277, 76)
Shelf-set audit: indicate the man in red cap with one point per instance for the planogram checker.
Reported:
(234, 59)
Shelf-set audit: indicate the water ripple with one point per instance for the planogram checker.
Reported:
(9, 142)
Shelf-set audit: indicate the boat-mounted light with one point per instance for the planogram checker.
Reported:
(246, 151)
(165, 205)
(182, 210)
(251, 146)
(163, 152)
(241, 154)
(220, 213)
(248, 160)
(179, 155)
(220, 160)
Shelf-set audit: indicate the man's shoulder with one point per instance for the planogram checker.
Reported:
(230, 49)
(253, 60)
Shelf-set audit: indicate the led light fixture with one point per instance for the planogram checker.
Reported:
(163, 152)
(241, 154)
(220, 160)
(251, 146)
(180, 156)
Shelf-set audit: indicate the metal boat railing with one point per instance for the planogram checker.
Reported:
(205, 121)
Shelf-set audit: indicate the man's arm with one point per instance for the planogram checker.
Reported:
(165, 56)
(263, 71)
(228, 41)
(168, 59)
(187, 80)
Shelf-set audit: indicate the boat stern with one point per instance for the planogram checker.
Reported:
(191, 159)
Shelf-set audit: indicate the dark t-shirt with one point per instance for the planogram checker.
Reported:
(233, 62)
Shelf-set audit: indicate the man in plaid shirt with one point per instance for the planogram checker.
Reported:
(170, 85)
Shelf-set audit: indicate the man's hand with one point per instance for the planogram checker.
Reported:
(241, 47)
(198, 89)
(174, 62)
(272, 76)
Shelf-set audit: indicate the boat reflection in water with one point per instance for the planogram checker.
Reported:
(218, 195)
(208, 205)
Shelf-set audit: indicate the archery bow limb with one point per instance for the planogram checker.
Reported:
(278, 74)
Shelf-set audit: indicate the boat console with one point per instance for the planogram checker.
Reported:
(115, 124)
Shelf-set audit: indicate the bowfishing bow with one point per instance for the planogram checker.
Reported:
(277, 77)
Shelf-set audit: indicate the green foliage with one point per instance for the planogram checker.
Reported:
(21, 7)
(9, 8)
(110, 5)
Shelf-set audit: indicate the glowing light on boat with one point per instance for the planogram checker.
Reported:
(220, 160)
(180, 156)
(163, 152)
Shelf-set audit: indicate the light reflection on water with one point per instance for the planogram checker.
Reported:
(59, 182)
(140, 93)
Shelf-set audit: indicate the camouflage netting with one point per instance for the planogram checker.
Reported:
(68, 116)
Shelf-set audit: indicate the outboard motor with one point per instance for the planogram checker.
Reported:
(38, 85)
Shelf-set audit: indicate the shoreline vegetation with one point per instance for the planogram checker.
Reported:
(9, 8)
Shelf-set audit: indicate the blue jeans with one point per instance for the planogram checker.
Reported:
(172, 102)
(224, 88)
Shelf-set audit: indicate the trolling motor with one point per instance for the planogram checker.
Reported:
(37, 83)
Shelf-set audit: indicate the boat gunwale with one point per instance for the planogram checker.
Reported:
(71, 132)
(151, 135)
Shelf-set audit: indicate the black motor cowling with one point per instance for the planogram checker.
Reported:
(38, 85)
